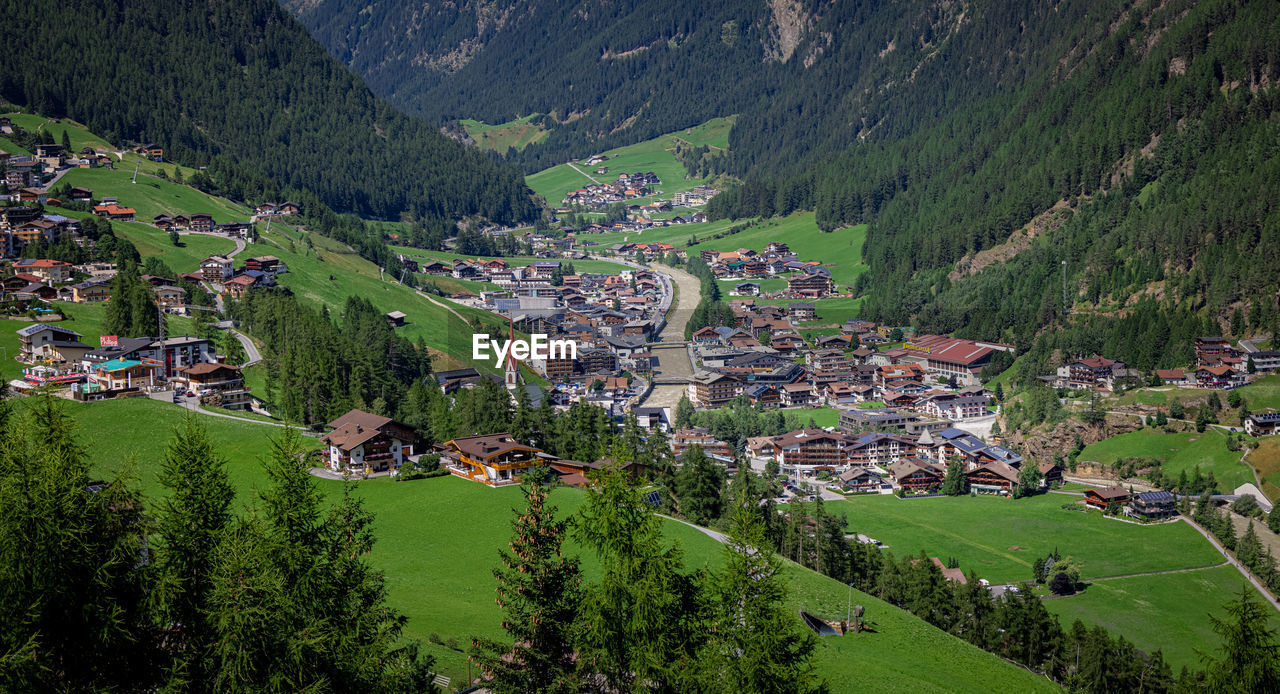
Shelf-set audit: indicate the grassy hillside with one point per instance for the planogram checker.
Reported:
(151, 196)
(516, 134)
(1182, 451)
(839, 250)
(998, 538)
(654, 155)
(1265, 459)
(1165, 611)
(78, 134)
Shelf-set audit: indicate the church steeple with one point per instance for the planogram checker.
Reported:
(512, 374)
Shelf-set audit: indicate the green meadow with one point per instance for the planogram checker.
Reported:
(516, 134)
(1180, 452)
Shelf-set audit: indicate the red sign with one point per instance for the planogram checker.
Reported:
(108, 341)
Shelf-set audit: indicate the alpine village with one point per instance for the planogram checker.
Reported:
(736, 346)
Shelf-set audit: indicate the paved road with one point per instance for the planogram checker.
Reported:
(193, 404)
(1232, 560)
(717, 536)
(249, 348)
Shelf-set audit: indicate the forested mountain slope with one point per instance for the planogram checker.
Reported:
(606, 73)
(239, 86)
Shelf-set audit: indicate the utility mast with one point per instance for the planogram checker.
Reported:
(1065, 307)
(136, 165)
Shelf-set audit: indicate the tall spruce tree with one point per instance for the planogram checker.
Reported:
(1249, 659)
(698, 486)
(190, 522)
(538, 592)
(955, 483)
(755, 642)
(642, 621)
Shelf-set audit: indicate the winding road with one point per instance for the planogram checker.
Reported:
(1233, 561)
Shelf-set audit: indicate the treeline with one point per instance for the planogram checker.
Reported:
(711, 310)
(106, 590)
(240, 88)
(318, 368)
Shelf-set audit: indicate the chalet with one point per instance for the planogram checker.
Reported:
(264, 263)
(151, 151)
(834, 342)
(288, 208)
(880, 449)
(220, 385)
(1153, 505)
(797, 395)
(493, 459)
(396, 319)
(1172, 377)
(1105, 496)
(1221, 376)
(993, 478)
(764, 395)
(451, 381)
(803, 451)
(684, 439)
(366, 443)
(746, 289)
(238, 286)
(1093, 372)
(43, 342)
(1210, 350)
(860, 480)
(916, 474)
(45, 268)
(90, 291)
(115, 212)
(434, 268)
(802, 310)
(954, 406)
(1262, 424)
(894, 375)
(216, 268)
(710, 390)
(1050, 474)
(81, 195)
(839, 393)
(33, 195)
(202, 222)
(815, 286)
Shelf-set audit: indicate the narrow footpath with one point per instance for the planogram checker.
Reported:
(1232, 561)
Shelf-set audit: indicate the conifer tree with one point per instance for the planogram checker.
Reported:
(755, 643)
(643, 621)
(955, 483)
(538, 591)
(1249, 659)
(191, 522)
(698, 485)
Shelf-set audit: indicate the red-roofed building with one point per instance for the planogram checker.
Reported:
(115, 212)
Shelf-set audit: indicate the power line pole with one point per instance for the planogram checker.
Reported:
(1065, 308)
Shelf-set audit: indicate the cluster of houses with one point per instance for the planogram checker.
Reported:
(628, 186)
(220, 271)
(21, 225)
(1218, 366)
(25, 174)
(127, 366)
(200, 223)
(805, 279)
(761, 360)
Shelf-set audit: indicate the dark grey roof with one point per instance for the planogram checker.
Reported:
(1155, 496)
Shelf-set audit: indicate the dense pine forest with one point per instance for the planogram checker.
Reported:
(240, 88)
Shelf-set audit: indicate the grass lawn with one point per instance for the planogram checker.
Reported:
(1165, 611)
(151, 196)
(588, 265)
(516, 134)
(1164, 396)
(10, 147)
(1263, 394)
(1181, 451)
(826, 311)
(183, 258)
(654, 155)
(821, 416)
(79, 135)
(983, 532)
(767, 285)
(1265, 459)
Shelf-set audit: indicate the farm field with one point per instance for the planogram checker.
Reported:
(998, 538)
(651, 155)
(1164, 611)
(1180, 452)
(151, 196)
(516, 134)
